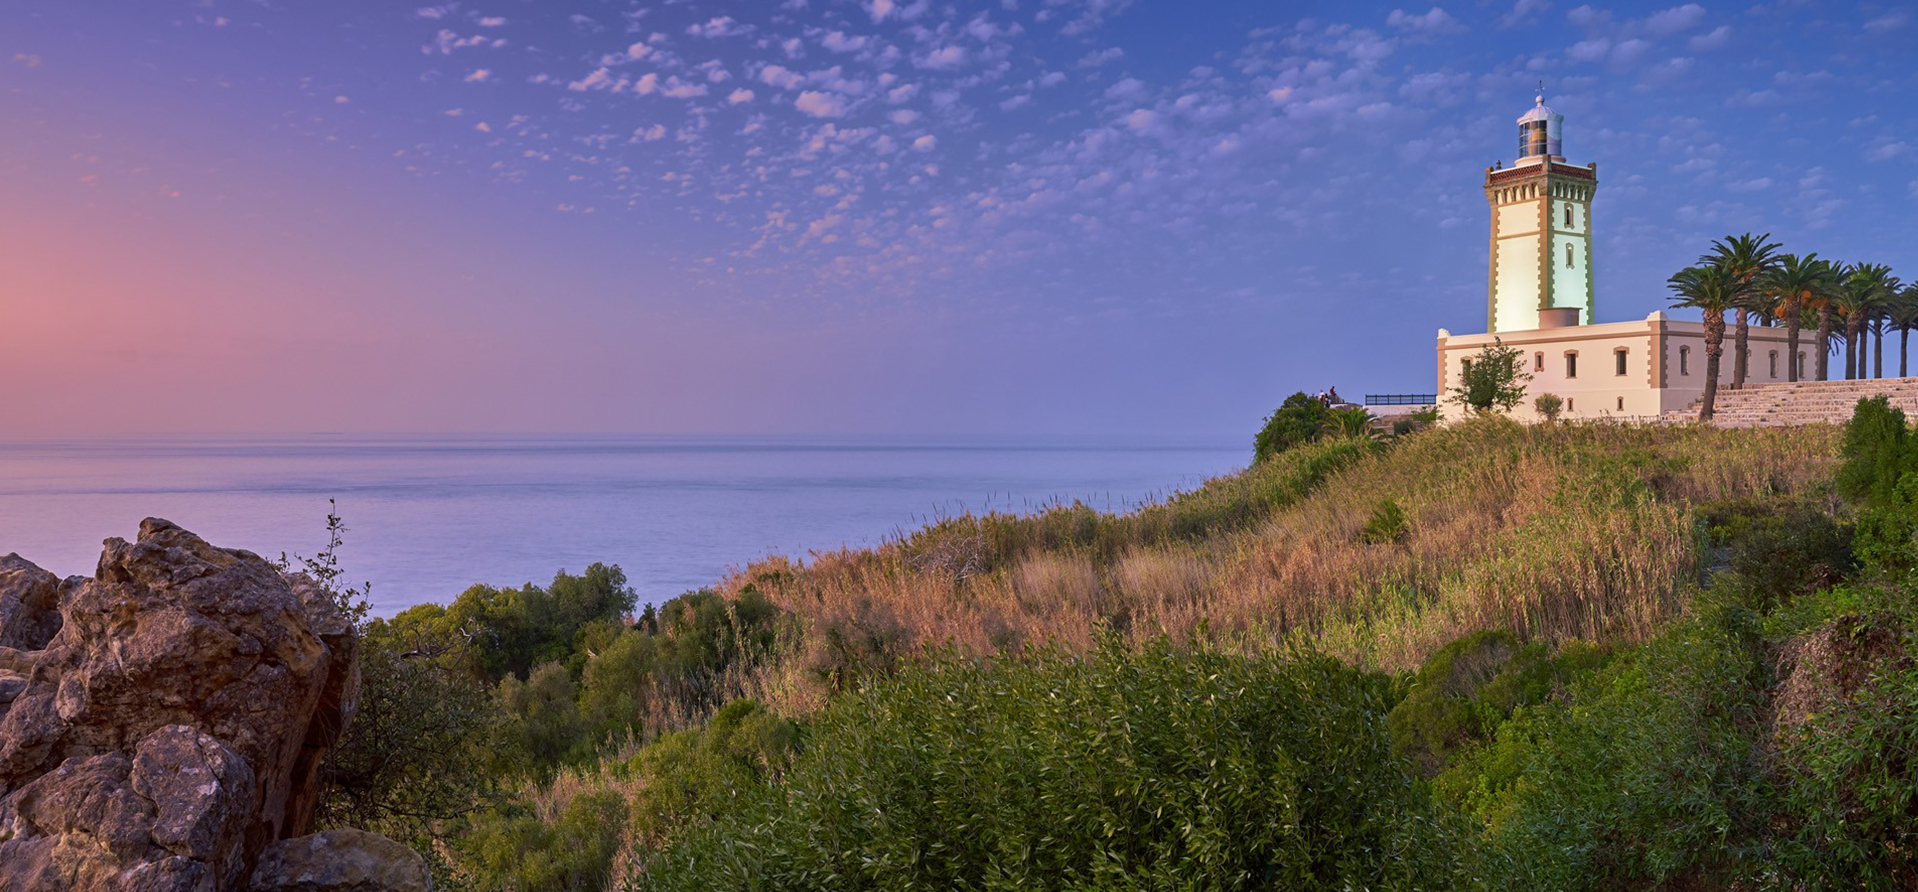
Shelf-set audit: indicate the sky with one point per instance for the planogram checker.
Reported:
(876, 217)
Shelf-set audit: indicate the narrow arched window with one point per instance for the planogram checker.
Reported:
(1568, 255)
(1568, 216)
(1538, 362)
(1571, 364)
(1618, 361)
(1774, 363)
(1684, 360)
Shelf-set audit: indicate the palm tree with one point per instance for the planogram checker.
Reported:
(1746, 257)
(1904, 317)
(1796, 285)
(1713, 290)
(1866, 288)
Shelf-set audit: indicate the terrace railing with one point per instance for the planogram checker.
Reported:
(1401, 399)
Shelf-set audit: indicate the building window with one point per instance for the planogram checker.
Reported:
(1569, 404)
(1568, 216)
(1618, 361)
(1571, 364)
(1801, 366)
(1538, 362)
(1568, 255)
(1684, 360)
(1621, 404)
(1774, 363)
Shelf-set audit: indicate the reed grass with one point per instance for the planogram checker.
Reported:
(1564, 531)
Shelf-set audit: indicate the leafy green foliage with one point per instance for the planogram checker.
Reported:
(1472, 685)
(519, 851)
(1300, 419)
(1386, 525)
(691, 778)
(1548, 405)
(1123, 769)
(1777, 548)
(1492, 381)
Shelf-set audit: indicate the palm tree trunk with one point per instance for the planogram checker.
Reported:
(1851, 353)
(1714, 343)
(1878, 352)
(1791, 345)
(1824, 343)
(1739, 357)
(1904, 337)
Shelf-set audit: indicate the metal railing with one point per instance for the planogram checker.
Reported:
(1401, 399)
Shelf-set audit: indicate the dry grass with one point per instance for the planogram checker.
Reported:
(1573, 531)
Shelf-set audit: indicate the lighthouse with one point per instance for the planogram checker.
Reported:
(1540, 273)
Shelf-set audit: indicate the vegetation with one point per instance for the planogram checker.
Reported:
(1492, 381)
(1477, 657)
(1299, 420)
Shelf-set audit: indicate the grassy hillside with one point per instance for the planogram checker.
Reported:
(1481, 657)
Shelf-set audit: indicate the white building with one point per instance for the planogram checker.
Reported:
(1539, 301)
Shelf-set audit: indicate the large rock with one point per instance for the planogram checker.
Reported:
(340, 861)
(162, 723)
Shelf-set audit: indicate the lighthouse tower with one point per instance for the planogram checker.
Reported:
(1541, 264)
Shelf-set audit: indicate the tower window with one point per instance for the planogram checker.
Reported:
(1538, 362)
(1571, 364)
(1621, 404)
(1618, 361)
(1568, 216)
(1684, 360)
(1568, 255)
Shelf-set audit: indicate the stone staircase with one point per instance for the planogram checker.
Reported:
(1803, 402)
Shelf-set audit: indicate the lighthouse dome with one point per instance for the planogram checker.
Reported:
(1540, 131)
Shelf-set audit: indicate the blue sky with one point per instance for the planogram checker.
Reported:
(867, 216)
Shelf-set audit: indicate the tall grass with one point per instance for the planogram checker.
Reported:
(1567, 531)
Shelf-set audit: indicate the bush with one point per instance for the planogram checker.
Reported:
(516, 851)
(1149, 769)
(1644, 776)
(1472, 685)
(1300, 419)
(1386, 525)
(689, 779)
(1548, 405)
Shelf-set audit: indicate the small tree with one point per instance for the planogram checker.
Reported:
(1548, 406)
(1300, 419)
(1494, 380)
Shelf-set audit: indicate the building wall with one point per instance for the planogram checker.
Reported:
(1515, 250)
(1664, 368)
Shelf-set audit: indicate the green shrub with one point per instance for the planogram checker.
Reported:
(517, 851)
(1148, 769)
(1300, 419)
(1777, 548)
(1472, 685)
(1548, 405)
(1644, 776)
(1386, 525)
(690, 778)
(1851, 766)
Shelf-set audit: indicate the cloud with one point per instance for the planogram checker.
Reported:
(1524, 12)
(820, 104)
(903, 116)
(483, 127)
(678, 89)
(1890, 21)
(492, 21)
(1758, 184)
(28, 59)
(944, 57)
(880, 9)
(719, 26)
(1434, 21)
(1590, 50)
(925, 143)
(739, 96)
(478, 75)
(600, 79)
(780, 76)
(654, 133)
(1886, 150)
(841, 42)
(1667, 22)
(1717, 39)
(341, 100)
(1094, 60)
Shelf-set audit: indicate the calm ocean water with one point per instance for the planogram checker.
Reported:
(429, 516)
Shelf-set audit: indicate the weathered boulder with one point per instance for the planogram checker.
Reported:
(340, 861)
(165, 724)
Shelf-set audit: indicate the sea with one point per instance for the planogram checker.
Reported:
(428, 516)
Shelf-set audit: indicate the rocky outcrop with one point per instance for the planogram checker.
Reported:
(162, 724)
(340, 861)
